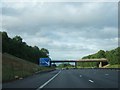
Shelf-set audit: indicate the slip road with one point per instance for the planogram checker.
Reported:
(71, 78)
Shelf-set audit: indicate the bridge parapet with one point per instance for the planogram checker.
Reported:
(93, 60)
(82, 60)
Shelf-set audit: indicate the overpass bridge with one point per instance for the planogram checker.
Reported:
(81, 60)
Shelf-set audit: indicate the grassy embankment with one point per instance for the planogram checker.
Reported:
(106, 66)
(112, 66)
(16, 68)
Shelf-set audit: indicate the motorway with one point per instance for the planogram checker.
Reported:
(71, 78)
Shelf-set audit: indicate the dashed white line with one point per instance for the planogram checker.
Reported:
(118, 70)
(48, 81)
(106, 74)
(91, 81)
(80, 75)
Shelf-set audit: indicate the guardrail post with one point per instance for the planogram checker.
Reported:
(75, 64)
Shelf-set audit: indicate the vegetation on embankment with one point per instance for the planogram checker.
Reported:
(15, 46)
(113, 57)
(16, 68)
(22, 59)
(112, 66)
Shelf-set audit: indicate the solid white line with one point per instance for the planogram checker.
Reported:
(91, 81)
(48, 81)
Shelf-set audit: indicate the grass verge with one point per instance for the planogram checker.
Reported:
(16, 68)
(113, 66)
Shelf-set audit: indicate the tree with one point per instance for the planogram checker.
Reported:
(45, 52)
(101, 54)
(18, 39)
(113, 56)
(54, 65)
(5, 42)
(18, 48)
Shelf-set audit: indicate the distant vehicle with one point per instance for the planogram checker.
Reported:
(57, 68)
(67, 68)
(63, 68)
(74, 68)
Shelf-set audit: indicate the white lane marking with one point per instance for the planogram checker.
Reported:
(91, 81)
(118, 70)
(106, 74)
(80, 75)
(48, 81)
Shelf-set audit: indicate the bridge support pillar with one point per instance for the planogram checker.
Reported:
(100, 64)
(75, 64)
(50, 64)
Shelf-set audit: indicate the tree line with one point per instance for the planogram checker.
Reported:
(113, 57)
(15, 46)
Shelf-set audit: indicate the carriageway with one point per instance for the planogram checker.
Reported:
(81, 60)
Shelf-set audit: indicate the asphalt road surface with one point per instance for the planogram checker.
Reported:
(71, 78)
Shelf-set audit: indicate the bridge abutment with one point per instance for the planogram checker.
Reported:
(100, 64)
(75, 64)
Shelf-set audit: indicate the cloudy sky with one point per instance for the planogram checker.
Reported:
(69, 30)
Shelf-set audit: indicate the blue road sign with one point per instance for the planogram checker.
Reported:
(44, 61)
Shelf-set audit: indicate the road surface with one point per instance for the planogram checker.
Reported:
(71, 78)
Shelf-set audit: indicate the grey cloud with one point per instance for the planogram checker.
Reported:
(10, 11)
(70, 30)
(64, 15)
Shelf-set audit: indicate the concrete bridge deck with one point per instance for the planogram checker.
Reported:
(81, 60)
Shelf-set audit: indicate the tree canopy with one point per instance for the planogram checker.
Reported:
(113, 56)
(15, 46)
